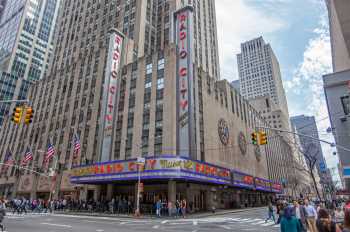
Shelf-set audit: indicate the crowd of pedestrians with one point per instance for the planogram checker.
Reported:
(306, 216)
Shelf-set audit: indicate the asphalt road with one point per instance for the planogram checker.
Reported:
(252, 220)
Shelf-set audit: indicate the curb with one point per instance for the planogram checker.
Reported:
(193, 216)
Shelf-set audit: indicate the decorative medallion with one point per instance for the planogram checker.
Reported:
(257, 153)
(242, 143)
(223, 131)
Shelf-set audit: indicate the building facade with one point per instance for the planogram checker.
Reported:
(26, 32)
(259, 73)
(337, 90)
(338, 18)
(336, 85)
(203, 154)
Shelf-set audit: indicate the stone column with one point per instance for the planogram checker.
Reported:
(109, 195)
(97, 193)
(172, 191)
(34, 187)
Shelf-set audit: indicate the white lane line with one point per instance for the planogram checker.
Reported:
(156, 227)
(195, 223)
(99, 230)
(276, 226)
(225, 227)
(123, 223)
(194, 230)
(58, 225)
(163, 222)
(257, 223)
(268, 224)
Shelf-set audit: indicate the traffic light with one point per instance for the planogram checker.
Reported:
(29, 115)
(254, 138)
(262, 138)
(17, 115)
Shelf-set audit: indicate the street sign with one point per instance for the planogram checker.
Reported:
(322, 166)
(140, 160)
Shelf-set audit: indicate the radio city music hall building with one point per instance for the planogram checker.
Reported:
(168, 106)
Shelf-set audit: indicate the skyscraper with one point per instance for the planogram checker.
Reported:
(26, 32)
(259, 73)
(306, 125)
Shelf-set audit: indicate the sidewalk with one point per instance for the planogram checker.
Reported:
(147, 216)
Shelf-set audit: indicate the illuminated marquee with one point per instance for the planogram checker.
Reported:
(261, 184)
(177, 166)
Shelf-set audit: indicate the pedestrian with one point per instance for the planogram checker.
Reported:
(170, 208)
(158, 208)
(324, 222)
(346, 224)
(300, 214)
(311, 216)
(289, 223)
(2, 214)
(339, 215)
(280, 212)
(178, 208)
(183, 207)
(271, 215)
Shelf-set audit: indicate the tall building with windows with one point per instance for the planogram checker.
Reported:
(26, 33)
(152, 91)
(259, 73)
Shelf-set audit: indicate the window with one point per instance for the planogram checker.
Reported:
(160, 83)
(148, 68)
(161, 64)
(346, 104)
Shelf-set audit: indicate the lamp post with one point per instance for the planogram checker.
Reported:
(140, 161)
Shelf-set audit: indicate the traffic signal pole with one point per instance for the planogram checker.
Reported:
(17, 101)
(307, 136)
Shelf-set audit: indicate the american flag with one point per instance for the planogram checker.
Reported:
(50, 153)
(76, 145)
(28, 156)
(8, 161)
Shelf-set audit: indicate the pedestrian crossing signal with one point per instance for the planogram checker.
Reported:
(17, 115)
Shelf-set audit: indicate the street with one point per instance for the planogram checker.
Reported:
(252, 220)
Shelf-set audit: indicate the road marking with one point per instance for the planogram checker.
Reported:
(99, 230)
(268, 224)
(257, 223)
(225, 227)
(123, 223)
(194, 230)
(195, 223)
(58, 225)
(156, 227)
(163, 222)
(276, 226)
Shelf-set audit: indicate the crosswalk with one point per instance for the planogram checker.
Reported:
(24, 215)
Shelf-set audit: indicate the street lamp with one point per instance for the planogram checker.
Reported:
(140, 161)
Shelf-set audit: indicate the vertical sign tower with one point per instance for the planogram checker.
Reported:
(109, 98)
(183, 33)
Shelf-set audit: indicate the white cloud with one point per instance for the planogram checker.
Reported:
(238, 22)
(307, 83)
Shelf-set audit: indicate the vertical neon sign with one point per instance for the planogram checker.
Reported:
(109, 98)
(185, 118)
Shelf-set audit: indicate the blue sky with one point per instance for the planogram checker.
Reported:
(298, 33)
